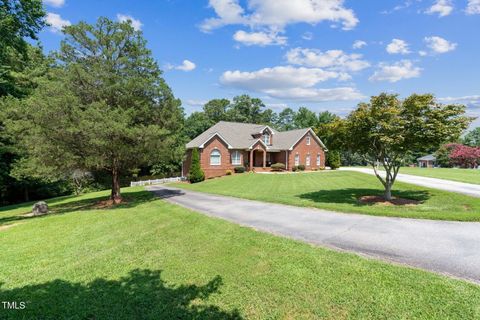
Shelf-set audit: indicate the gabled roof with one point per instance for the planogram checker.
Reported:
(429, 157)
(241, 136)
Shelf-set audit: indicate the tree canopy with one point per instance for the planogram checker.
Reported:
(104, 106)
(387, 129)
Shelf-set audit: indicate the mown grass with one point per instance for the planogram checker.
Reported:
(454, 174)
(341, 191)
(149, 259)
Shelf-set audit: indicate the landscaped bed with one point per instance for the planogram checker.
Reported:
(148, 259)
(344, 191)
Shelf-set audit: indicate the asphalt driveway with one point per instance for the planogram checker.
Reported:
(451, 248)
(469, 189)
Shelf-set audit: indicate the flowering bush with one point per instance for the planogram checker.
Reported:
(465, 156)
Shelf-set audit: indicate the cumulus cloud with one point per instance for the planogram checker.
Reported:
(186, 66)
(288, 82)
(473, 100)
(397, 71)
(398, 46)
(195, 102)
(331, 59)
(259, 38)
(136, 24)
(441, 7)
(56, 22)
(358, 44)
(439, 45)
(54, 3)
(307, 36)
(275, 15)
(473, 7)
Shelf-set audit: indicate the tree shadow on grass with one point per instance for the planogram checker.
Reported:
(352, 195)
(132, 199)
(142, 294)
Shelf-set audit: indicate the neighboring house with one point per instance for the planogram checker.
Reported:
(227, 145)
(428, 161)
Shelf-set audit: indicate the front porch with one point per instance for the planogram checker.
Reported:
(260, 160)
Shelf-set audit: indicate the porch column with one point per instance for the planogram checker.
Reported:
(264, 158)
(251, 160)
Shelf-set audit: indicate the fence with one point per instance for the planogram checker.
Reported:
(156, 181)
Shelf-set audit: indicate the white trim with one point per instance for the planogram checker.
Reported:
(295, 162)
(314, 135)
(308, 160)
(255, 142)
(219, 158)
(211, 137)
(267, 127)
(319, 159)
(307, 140)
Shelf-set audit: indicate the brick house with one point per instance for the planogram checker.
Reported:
(227, 145)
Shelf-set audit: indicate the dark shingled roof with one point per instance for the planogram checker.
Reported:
(429, 157)
(240, 136)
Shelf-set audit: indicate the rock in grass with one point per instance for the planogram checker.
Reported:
(40, 208)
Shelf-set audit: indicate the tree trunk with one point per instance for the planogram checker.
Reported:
(388, 191)
(26, 195)
(116, 196)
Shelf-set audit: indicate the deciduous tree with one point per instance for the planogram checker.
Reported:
(387, 129)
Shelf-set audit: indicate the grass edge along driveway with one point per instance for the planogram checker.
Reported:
(340, 191)
(150, 259)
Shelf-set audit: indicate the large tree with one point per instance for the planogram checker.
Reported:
(105, 106)
(472, 138)
(386, 130)
(305, 118)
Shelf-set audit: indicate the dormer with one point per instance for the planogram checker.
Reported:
(266, 135)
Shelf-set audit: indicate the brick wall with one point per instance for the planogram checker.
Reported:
(302, 149)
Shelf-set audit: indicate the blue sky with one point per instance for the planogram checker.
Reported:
(323, 54)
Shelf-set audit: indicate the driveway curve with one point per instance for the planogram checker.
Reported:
(469, 189)
(451, 248)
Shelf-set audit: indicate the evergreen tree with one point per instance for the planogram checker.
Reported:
(196, 173)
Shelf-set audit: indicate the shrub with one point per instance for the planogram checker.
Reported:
(333, 159)
(322, 168)
(228, 172)
(278, 166)
(294, 168)
(196, 173)
(239, 169)
(301, 167)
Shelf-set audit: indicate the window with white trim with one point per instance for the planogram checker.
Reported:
(215, 158)
(266, 138)
(297, 159)
(307, 160)
(308, 140)
(318, 159)
(236, 158)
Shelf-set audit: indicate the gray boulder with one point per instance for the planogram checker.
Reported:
(40, 208)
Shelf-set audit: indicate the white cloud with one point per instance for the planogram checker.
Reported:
(136, 24)
(259, 38)
(358, 44)
(473, 7)
(56, 22)
(473, 100)
(288, 82)
(275, 15)
(439, 45)
(441, 7)
(186, 66)
(307, 36)
(54, 3)
(331, 59)
(422, 53)
(395, 72)
(398, 46)
(195, 102)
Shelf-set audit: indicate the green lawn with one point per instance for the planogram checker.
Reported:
(340, 191)
(152, 260)
(461, 175)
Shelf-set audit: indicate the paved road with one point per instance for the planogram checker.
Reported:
(446, 247)
(447, 185)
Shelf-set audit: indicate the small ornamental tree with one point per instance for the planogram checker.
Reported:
(196, 173)
(333, 159)
(465, 156)
(386, 130)
(443, 155)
